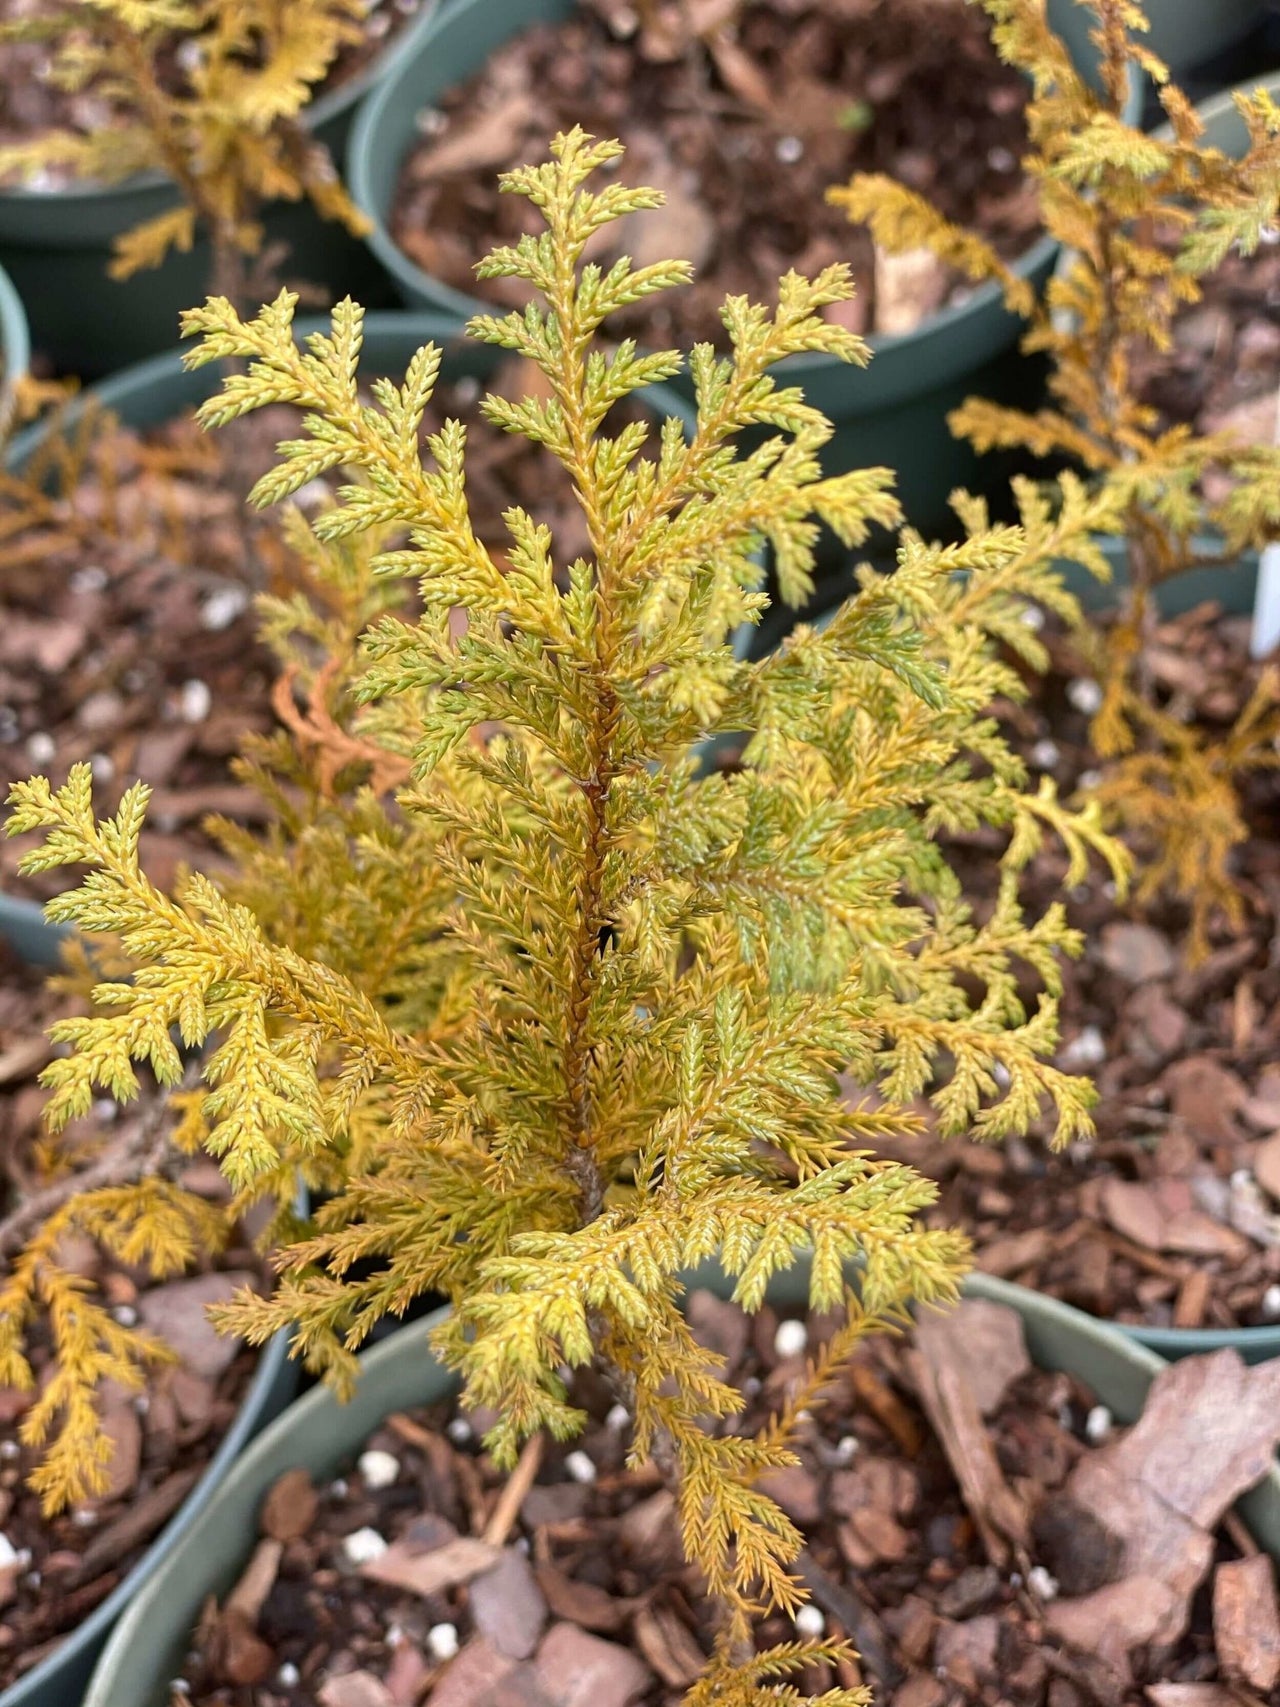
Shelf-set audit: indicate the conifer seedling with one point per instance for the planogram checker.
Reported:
(209, 92)
(567, 1016)
(1143, 219)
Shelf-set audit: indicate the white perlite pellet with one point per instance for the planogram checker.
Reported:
(195, 701)
(619, 1417)
(1045, 755)
(379, 1469)
(1097, 1425)
(580, 1467)
(222, 607)
(1088, 1048)
(1271, 1303)
(288, 1677)
(791, 1339)
(810, 1623)
(459, 1431)
(363, 1546)
(442, 1641)
(1085, 694)
(1041, 1583)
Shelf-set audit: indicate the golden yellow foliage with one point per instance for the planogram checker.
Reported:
(567, 1016)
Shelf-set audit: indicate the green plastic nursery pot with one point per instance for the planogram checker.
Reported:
(25, 930)
(317, 1433)
(57, 246)
(1185, 33)
(15, 344)
(1232, 586)
(893, 413)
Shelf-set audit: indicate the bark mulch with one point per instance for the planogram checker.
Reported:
(1224, 368)
(744, 127)
(1172, 1217)
(55, 1571)
(981, 1529)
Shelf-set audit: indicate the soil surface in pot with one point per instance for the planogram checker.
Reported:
(744, 130)
(126, 619)
(1172, 1217)
(1223, 371)
(953, 1504)
(31, 102)
(55, 1571)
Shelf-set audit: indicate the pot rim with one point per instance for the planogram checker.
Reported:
(15, 342)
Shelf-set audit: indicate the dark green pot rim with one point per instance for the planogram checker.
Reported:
(334, 104)
(318, 1433)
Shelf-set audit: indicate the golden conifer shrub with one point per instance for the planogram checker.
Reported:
(209, 92)
(567, 1016)
(1143, 219)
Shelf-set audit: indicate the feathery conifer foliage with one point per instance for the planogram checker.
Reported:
(209, 92)
(1144, 219)
(567, 1017)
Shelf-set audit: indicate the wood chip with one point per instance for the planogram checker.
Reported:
(514, 1489)
(1266, 1166)
(941, 1367)
(1193, 1298)
(290, 1507)
(355, 1689)
(1013, 1253)
(236, 1653)
(580, 1602)
(875, 1395)
(487, 141)
(133, 1525)
(1206, 1434)
(1246, 1621)
(1196, 1695)
(668, 1645)
(23, 1058)
(258, 1579)
(406, 1565)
